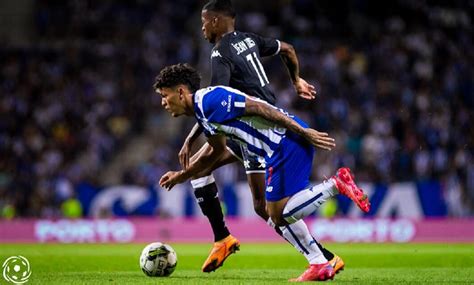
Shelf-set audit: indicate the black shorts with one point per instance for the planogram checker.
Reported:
(252, 162)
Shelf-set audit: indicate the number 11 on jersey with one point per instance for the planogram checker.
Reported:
(258, 68)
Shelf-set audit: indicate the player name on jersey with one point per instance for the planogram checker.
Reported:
(244, 45)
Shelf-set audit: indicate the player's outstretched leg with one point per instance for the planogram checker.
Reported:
(305, 202)
(219, 252)
(346, 186)
(257, 185)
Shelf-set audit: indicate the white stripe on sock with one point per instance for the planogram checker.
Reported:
(299, 236)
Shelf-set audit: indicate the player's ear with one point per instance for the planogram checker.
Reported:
(181, 93)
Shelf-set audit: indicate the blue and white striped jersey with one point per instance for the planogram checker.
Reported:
(220, 110)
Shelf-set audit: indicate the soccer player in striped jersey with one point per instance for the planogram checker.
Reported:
(285, 141)
(236, 62)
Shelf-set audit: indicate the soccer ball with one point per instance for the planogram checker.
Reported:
(158, 260)
(16, 269)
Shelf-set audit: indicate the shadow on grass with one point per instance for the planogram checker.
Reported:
(264, 277)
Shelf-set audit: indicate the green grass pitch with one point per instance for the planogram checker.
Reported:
(253, 264)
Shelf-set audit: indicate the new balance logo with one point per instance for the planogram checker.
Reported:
(215, 54)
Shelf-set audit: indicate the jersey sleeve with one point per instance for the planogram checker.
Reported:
(221, 68)
(267, 46)
(222, 105)
(207, 130)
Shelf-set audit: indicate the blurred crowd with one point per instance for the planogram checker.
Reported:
(395, 88)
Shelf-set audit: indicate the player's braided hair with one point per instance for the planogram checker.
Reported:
(220, 6)
(181, 73)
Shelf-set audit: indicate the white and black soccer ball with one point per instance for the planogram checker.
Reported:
(158, 260)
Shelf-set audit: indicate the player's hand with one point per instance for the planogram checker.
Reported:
(184, 154)
(319, 139)
(170, 179)
(304, 89)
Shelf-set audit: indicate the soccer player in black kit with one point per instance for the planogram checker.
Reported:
(235, 62)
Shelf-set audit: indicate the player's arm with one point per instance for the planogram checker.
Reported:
(270, 47)
(207, 159)
(264, 110)
(289, 57)
(185, 152)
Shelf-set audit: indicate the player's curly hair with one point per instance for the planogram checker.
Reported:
(220, 6)
(181, 73)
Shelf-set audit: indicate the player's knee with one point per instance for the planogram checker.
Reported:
(289, 217)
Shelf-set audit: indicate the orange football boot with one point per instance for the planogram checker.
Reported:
(337, 263)
(220, 251)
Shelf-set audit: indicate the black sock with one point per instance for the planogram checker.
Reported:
(278, 231)
(327, 254)
(211, 207)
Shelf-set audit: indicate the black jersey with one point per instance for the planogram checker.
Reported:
(235, 62)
